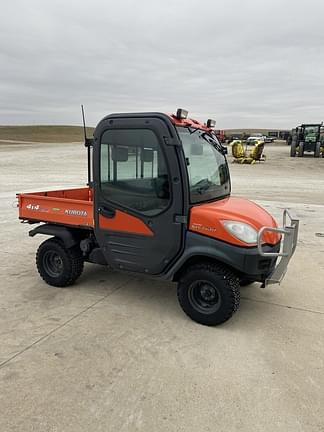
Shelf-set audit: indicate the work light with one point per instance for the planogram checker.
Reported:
(211, 123)
(181, 113)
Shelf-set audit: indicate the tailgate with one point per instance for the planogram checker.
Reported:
(68, 207)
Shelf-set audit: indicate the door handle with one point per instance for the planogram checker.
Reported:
(108, 213)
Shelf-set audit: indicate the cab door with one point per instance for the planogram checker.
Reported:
(139, 198)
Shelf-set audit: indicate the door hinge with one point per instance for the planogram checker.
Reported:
(180, 219)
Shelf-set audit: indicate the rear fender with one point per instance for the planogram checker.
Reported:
(69, 237)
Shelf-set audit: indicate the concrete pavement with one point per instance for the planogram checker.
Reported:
(116, 353)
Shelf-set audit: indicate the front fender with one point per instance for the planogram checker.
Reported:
(242, 260)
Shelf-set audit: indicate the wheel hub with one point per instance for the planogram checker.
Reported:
(207, 293)
(204, 297)
(53, 263)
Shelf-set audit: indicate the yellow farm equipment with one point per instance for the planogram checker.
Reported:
(241, 154)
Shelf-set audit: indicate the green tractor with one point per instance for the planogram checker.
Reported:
(307, 138)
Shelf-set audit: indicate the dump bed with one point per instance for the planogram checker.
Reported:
(68, 207)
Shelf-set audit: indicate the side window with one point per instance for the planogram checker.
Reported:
(133, 172)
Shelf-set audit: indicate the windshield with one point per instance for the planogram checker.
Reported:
(310, 130)
(310, 133)
(207, 167)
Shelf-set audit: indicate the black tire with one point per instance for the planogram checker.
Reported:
(293, 149)
(209, 293)
(301, 149)
(317, 151)
(57, 265)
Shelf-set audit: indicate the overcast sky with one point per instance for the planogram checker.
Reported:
(251, 63)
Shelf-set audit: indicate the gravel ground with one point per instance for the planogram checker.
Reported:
(116, 353)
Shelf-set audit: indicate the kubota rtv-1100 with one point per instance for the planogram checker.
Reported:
(158, 203)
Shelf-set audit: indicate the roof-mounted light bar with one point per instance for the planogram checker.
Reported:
(181, 114)
(211, 123)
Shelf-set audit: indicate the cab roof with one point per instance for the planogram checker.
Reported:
(188, 122)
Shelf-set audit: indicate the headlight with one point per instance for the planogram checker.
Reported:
(242, 231)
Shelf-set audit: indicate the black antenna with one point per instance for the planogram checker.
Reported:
(88, 143)
(84, 125)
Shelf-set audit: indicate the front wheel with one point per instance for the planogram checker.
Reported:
(317, 152)
(209, 293)
(57, 265)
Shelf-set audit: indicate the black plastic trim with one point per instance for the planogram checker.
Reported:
(69, 236)
(165, 118)
(244, 261)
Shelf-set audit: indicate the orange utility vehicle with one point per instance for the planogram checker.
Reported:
(158, 203)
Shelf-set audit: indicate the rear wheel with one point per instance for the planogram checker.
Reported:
(317, 151)
(301, 149)
(209, 293)
(57, 265)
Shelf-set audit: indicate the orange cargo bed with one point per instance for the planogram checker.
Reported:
(68, 207)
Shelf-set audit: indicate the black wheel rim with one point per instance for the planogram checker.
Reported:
(53, 263)
(204, 297)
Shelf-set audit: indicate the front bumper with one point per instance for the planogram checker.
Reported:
(289, 231)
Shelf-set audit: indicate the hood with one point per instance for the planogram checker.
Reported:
(207, 219)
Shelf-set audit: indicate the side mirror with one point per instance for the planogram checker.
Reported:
(224, 150)
(147, 155)
(196, 149)
(119, 154)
